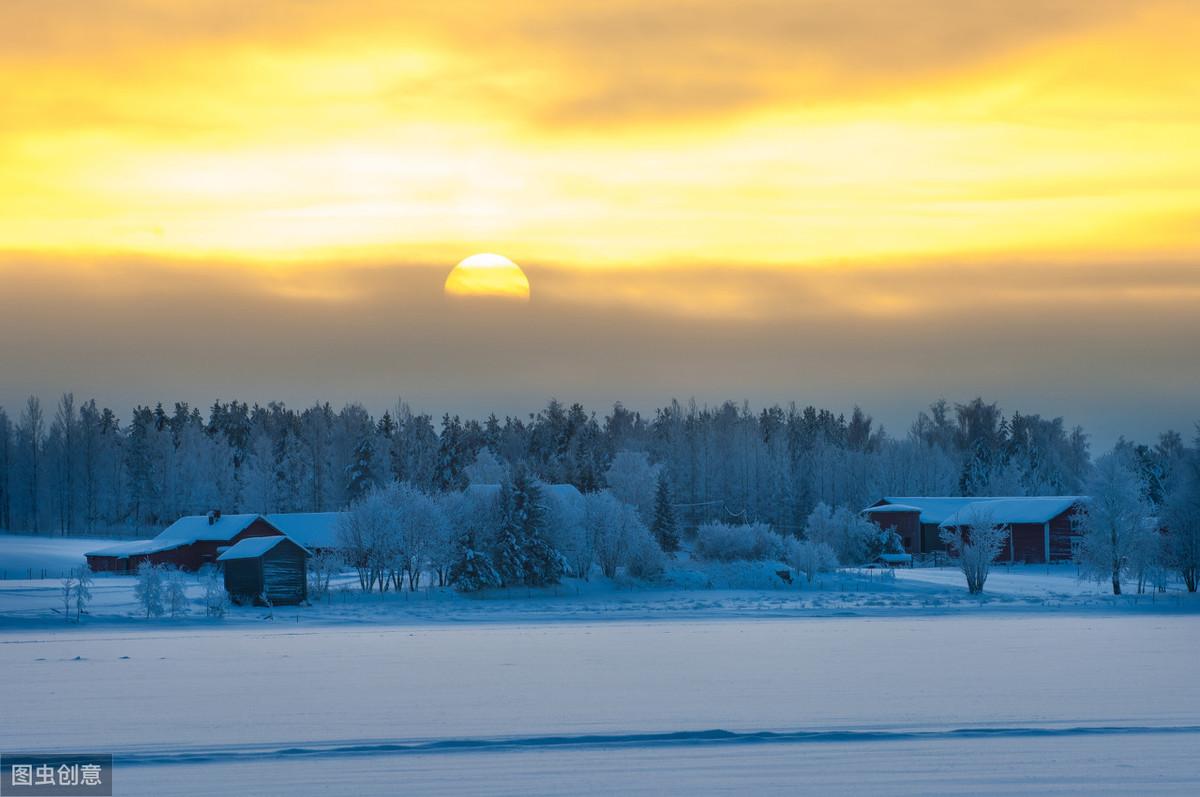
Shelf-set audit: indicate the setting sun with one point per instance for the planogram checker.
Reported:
(488, 275)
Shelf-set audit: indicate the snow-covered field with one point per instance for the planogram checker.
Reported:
(859, 683)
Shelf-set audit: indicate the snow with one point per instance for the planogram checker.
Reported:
(888, 508)
(137, 547)
(20, 553)
(1016, 510)
(721, 679)
(510, 707)
(310, 529)
(250, 548)
(193, 528)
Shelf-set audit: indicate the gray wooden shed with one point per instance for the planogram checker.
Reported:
(273, 569)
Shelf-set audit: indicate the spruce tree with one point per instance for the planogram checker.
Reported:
(665, 527)
(360, 475)
(473, 570)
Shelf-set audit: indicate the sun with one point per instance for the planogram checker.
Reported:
(488, 275)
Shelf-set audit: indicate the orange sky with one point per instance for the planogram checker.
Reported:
(610, 146)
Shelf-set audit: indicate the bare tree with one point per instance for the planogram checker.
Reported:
(977, 540)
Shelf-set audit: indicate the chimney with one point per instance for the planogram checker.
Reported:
(213, 516)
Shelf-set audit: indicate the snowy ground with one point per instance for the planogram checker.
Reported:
(972, 703)
(857, 683)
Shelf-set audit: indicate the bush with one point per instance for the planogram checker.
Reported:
(722, 542)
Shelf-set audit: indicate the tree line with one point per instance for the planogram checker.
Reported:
(79, 468)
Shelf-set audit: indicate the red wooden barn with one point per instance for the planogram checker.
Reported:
(189, 543)
(1040, 528)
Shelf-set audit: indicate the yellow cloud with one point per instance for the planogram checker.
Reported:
(601, 134)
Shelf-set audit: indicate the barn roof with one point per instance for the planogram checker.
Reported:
(254, 547)
(1016, 510)
(194, 528)
(137, 548)
(884, 508)
(310, 529)
(940, 510)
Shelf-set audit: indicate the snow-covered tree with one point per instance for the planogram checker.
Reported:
(473, 570)
(665, 527)
(486, 469)
(726, 542)
(976, 542)
(148, 591)
(1181, 514)
(68, 594)
(618, 537)
(633, 480)
(216, 599)
(175, 592)
(1112, 524)
(369, 539)
(322, 567)
(83, 591)
(360, 476)
(852, 537)
(811, 557)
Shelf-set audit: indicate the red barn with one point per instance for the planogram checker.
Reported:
(189, 543)
(1040, 528)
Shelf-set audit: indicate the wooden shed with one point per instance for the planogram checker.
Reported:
(261, 569)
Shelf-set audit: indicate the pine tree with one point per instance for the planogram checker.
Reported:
(665, 527)
(360, 476)
(473, 570)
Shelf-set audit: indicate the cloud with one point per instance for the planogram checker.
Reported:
(1084, 340)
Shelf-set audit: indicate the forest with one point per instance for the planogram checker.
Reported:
(79, 468)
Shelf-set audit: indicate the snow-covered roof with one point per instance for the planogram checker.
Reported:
(193, 528)
(137, 548)
(1040, 509)
(253, 547)
(933, 509)
(939, 510)
(891, 508)
(310, 529)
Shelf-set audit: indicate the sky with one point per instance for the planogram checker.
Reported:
(842, 203)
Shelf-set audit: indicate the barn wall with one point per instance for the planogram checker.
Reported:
(285, 575)
(1028, 542)
(243, 579)
(906, 524)
(1062, 532)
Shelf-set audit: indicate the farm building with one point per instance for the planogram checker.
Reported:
(266, 569)
(1040, 528)
(189, 543)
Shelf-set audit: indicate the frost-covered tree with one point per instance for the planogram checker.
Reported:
(853, 538)
(1112, 524)
(976, 542)
(523, 554)
(618, 538)
(665, 527)
(175, 592)
(473, 570)
(1181, 515)
(369, 538)
(633, 480)
(486, 469)
(83, 591)
(322, 567)
(360, 477)
(216, 599)
(68, 594)
(148, 591)
(810, 557)
(725, 542)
